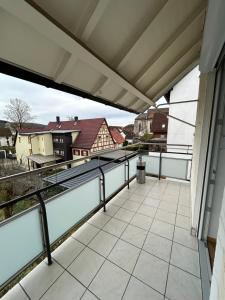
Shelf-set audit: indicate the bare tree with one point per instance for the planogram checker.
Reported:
(18, 112)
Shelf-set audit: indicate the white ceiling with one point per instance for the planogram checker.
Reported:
(127, 52)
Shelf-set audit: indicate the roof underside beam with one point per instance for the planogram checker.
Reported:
(31, 14)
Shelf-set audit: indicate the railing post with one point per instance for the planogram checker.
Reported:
(103, 187)
(160, 163)
(128, 172)
(44, 223)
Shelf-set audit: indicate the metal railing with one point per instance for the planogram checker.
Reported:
(48, 242)
(105, 185)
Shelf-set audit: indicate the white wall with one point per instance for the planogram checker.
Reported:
(202, 131)
(186, 89)
(3, 141)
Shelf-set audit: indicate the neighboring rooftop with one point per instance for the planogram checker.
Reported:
(43, 159)
(117, 136)
(94, 163)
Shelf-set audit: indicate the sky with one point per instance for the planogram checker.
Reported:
(48, 103)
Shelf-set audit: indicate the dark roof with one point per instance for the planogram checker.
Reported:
(78, 170)
(152, 111)
(5, 132)
(117, 136)
(128, 128)
(31, 130)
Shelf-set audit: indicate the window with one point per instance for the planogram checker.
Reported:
(30, 151)
(76, 152)
(140, 127)
(29, 139)
(84, 153)
(99, 137)
(19, 139)
(59, 152)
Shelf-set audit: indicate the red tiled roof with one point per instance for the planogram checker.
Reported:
(89, 129)
(117, 136)
(31, 130)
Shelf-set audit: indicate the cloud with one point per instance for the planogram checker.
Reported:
(47, 103)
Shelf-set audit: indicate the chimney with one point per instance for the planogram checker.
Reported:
(76, 118)
(57, 119)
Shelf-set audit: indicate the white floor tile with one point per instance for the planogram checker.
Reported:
(131, 205)
(168, 206)
(66, 287)
(103, 243)
(99, 220)
(15, 293)
(158, 246)
(85, 233)
(183, 236)
(182, 285)
(152, 270)
(168, 198)
(185, 258)
(141, 221)
(165, 216)
(124, 255)
(152, 202)
(111, 209)
(40, 279)
(88, 296)
(183, 222)
(134, 235)
(163, 229)
(110, 282)
(86, 266)
(136, 197)
(184, 211)
(147, 210)
(115, 227)
(120, 199)
(137, 290)
(124, 215)
(67, 252)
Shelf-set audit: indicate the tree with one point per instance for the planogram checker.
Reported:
(18, 112)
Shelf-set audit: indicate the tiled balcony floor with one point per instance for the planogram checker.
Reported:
(140, 248)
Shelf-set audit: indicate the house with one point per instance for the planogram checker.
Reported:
(6, 138)
(62, 141)
(117, 135)
(128, 131)
(153, 122)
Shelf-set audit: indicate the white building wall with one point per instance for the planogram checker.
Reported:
(186, 89)
(202, 131)
(3, 141)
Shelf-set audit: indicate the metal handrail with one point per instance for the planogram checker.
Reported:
(65, 163)
(28, 195)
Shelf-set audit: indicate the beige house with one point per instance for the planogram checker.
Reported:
(32, 146)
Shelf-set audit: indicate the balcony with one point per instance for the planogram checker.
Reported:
(139, 248)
